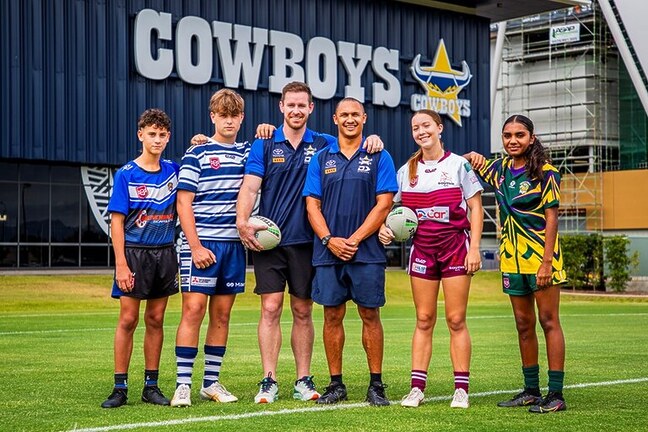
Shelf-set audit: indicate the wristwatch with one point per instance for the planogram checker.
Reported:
(326, 239)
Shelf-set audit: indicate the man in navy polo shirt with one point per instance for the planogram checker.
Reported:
(277, 168)
(348, 195)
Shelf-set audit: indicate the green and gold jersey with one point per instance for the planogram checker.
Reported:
(522, 202)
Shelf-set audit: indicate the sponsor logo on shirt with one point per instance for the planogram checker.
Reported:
(278, 160)
(184, 280)
(203, 281)
(235, 284)
(142, 191)
(457, 268)
(429, 170)
(140, 221)
(309, 152)
(229, 156)
(214, 162)
(419, 268)
(446, 179)
(329, 167)
(436, 213)
(278, 156)
(512, 184)
(473, 177)
(420, 260)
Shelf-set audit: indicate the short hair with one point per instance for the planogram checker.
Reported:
(226, 102)
(154, 117)
(297, 87)
(349, 99)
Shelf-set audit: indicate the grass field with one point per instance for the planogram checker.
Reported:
(56, 366)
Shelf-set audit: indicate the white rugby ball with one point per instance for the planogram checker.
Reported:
(270, 237)
(402, 221)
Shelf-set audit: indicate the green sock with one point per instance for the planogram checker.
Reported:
(556, 379)
(532, 377)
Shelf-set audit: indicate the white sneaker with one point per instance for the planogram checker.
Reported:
(182, 396)
(268, 391)
(413, 399)
(305, 389)
(460, 399)
(218, 393)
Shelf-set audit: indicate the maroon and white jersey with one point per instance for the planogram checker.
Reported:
(438, 196)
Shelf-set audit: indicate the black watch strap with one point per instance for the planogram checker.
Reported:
(326, 239)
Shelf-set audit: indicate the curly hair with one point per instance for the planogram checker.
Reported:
(226, 102)
(536, 154)
(413, 161)
(154, 117)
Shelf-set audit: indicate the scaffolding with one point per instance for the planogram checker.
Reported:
(570, 91)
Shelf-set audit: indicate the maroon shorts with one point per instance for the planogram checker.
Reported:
(443, 260)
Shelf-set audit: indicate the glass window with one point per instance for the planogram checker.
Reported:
(65, 214)
(8, 171)
(34, 173)
(91, 231)
(8, 212)
(34, 256)
(8, 256)
(95, 256)
(66, 174)
(65, 256)
(34, 226)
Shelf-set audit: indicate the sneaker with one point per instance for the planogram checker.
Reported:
(334, 393)
(218, 393)
(413, 399)
(553, 402)
(524, 398)
(153, 395)
(116, 399)
(305, 389)
(182, 396)
(460, 399)
(268, 391)
(376, 394)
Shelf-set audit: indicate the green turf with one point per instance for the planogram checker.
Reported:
(56, 365)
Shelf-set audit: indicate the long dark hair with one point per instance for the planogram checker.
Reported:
(536, 154)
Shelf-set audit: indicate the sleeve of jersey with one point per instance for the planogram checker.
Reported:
(119, 201)
(550, 187)
(386, 182)
(469, 182)
(490, 173)
(400, 175)
(256, 162)
(313, 185)
(189, 172)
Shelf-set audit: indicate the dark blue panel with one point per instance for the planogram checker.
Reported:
(69, 90)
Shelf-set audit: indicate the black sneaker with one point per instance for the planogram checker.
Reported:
(116, 399)
(153, 395)
(525, 398)
(334, 393)
(376, 394)
(553, 402)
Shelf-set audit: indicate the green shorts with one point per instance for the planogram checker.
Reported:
(522, 284)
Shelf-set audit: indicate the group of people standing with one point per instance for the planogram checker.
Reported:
(330, 197)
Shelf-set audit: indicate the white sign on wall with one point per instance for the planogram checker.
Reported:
(564, 33)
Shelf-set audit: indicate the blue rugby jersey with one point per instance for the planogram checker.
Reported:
(148, 200)
(214, 172)
(348, 189)
(283, 171)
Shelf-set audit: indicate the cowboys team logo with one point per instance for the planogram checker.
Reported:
(364, 164)
(309, 152)
(442, 85)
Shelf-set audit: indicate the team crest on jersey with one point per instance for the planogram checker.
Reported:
(442, 85)
(524, 187)
(330, 167)
(142, 191)
(170, 186)
(214, 162)
(309, 152)
(413, 182)
(364, 164)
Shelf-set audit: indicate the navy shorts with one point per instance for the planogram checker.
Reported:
(225, 276)
(363, 283)
(155, 269)
(286, 264)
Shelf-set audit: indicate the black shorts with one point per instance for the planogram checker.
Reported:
(291, 264)
(156, 272)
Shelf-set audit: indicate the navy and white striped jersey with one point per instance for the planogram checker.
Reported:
(214, 172)
(148, 200)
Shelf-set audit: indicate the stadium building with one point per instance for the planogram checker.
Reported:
(76, 74)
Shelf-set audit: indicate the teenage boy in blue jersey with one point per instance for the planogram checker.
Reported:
(277, 168)
(348, 196)
(142, 227)
(212, 259)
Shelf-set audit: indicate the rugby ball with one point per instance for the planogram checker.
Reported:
(270, 237)
(402, 221)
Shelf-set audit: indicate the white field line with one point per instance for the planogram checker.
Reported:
(342, 406)
(247, 324)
